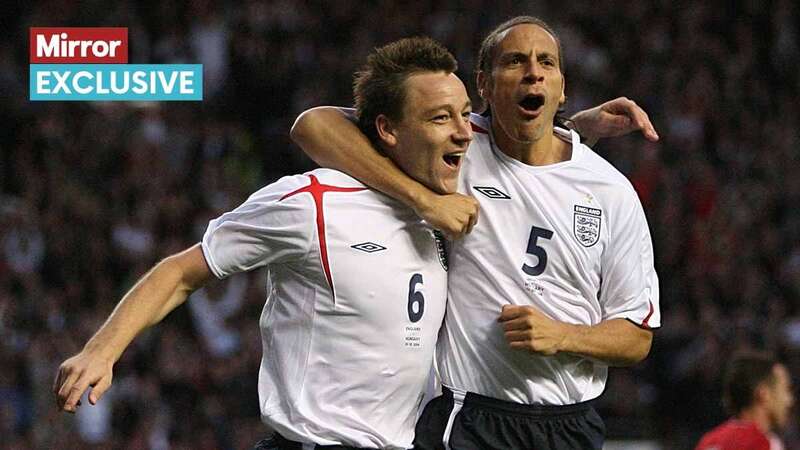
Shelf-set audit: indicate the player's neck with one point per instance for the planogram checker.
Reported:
(758, 416)
(546, 150)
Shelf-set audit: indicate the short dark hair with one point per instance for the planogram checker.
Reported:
(490, 43)
(745, 372)
(379, 87)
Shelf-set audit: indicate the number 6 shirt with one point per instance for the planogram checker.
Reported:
(356, 298)
(570, 239)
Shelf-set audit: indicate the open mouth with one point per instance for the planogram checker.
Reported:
(532, 102)
(453, 159)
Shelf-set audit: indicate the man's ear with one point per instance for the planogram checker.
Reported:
(484, 90)
(563, 98)
(386, 130)
(762, 394)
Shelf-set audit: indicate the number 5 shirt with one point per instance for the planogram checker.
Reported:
(570, 239)
(356, 298)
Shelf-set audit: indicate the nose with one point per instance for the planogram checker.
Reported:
(463, 132)
(533, 72)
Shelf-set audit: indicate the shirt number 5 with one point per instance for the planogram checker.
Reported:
(536, 250)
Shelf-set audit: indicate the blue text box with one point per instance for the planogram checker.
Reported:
(116, 82)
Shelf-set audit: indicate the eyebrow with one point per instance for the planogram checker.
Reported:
(539, 55)
(511, 54)
(468, 104)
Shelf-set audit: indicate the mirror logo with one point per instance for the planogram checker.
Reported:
(91, 64)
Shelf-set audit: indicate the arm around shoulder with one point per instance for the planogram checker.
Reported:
(330, 137)
(320, 131)
(616, 117)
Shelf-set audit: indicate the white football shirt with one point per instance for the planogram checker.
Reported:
(570, 239)
(356, 299)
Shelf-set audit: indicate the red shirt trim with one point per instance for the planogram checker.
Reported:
(317, 191)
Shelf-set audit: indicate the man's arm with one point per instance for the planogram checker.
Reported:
(615, 342)
(617, 117)
(331, 139)
(629, 299)
(161, 290)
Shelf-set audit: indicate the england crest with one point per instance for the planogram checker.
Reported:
(441, 248)
(586, 225)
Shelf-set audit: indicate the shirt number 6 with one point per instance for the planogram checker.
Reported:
(416, 301)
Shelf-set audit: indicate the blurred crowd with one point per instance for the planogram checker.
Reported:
(93, 194)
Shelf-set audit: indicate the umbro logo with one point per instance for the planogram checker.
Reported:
(368, 247)
(492, 192)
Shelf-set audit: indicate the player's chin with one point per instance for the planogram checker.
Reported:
(447, 184)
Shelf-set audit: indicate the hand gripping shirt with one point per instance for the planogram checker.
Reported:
(570, 239)
(356, 298)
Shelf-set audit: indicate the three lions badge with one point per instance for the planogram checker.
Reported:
(586, 225)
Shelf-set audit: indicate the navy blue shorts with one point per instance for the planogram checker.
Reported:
(487, 423)
(278, 442)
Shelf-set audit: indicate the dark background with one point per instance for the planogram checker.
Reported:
(93, 194)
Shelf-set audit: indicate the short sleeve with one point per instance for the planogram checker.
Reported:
(629, 287)
(272, 226)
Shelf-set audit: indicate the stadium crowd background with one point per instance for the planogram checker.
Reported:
(94, 194)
